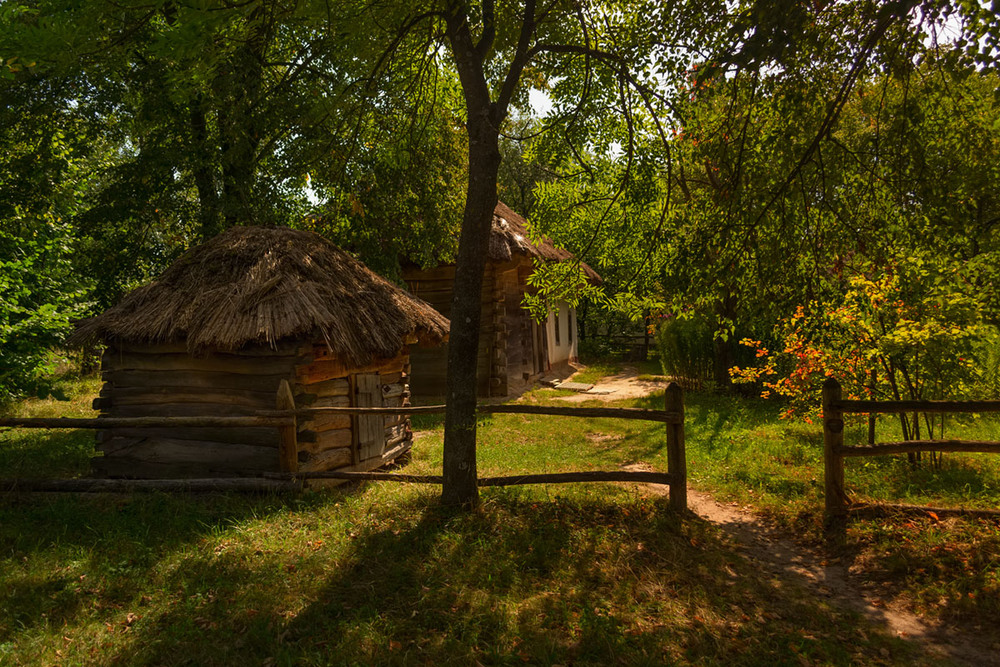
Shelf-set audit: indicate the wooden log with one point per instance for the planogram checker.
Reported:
(611, 413)
(395, 420)
(89, 485)
(288, 450)
(257, 365)
(329, 402)
(396, 440)
(329, 440)
(833, 462)
(908, 446)
(183, 410)
(256, 436)
(327, 460)
(676, 454)
(888, 509)
(166, 395)
(146, 422)
(194, 379)
(326, 422)
(517, 480)
(335, 387)
(917, 406)
(205, 456)
(323, 370)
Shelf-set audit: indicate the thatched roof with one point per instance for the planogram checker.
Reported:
(509, 237)
(252, 285)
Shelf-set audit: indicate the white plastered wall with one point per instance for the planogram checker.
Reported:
(562, 348)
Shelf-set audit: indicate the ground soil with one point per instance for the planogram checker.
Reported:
(807, 565)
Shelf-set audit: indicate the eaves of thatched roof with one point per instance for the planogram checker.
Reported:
(256, 285)
(509, 237)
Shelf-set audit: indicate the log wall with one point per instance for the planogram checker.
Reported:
(436, 286)
(164, 381)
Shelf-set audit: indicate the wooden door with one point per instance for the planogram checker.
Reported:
(370, 429)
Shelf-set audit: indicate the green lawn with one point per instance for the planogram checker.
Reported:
(379, 573)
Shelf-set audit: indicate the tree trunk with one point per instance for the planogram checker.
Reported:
(204, 176)
(460, 486)
(483, 126)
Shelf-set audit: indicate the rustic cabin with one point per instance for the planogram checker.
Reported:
(512, 345)
(220, 329)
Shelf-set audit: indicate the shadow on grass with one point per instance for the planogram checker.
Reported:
(61, 553)
(517, 582)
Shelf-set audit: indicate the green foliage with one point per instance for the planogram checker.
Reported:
(685, 346)
(40, 296)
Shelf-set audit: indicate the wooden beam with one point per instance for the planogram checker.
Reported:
(209, 485)
(283, 419)
(907, 446)
(548, 478)
(845, 405)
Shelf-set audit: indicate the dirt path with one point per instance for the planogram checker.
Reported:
(781, 555)
(625, 384)
(785, 557)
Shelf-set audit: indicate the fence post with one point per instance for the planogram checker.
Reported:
(833, 460)
(288, 447)
(676, 460)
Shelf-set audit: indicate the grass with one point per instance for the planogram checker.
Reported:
(379, 573)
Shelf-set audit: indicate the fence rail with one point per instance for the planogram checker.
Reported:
(837, 504)
(284, 418)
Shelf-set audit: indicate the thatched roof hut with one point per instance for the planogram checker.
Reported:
(512, 346)
(217, 332)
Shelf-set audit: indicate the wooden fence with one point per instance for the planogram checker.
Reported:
(283, 417)
(834, 452)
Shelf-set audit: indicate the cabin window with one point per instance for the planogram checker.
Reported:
(556, 315)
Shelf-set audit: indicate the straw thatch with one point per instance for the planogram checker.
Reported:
(252, 285)
(509, 237)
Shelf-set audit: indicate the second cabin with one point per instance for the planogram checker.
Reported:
(512, 346)
(219, 330)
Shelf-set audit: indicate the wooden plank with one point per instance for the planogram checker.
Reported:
(371, 436)
(112, 361)
(194, 379)
(907, 446)
(327, 460)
